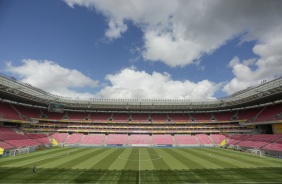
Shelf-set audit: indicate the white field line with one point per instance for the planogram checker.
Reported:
(64, 154)
(143, 160)
(211, 155)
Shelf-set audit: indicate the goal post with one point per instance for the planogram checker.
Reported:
(18, 151)
(256, 151)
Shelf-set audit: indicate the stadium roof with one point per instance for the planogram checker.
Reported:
(268, 92)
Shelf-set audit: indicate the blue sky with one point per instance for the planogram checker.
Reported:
(141, 49)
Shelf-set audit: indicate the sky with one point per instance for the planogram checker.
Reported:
(141, 49)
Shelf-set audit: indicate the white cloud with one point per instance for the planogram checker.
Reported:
(174, 51)
(250, 72)
(126, 84)
(179, 32)
(115, 29)
(234, 62)
(52, 77)
(132, 84)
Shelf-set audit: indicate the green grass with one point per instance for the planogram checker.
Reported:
(140, 165)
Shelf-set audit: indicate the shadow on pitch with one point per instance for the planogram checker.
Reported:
(64, 175)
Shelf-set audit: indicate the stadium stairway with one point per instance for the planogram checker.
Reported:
(81, 139)
(198, 140)
(174, 141)
(211, 139)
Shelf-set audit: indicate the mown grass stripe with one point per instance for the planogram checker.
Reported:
(130, 170)
(220, 162)
(170, 160)
(133, 160)
(100, 170)
(243, 157)
(98, 154)
(30, 156)
(50, 158)
(33, 158)
(159, 174)
(159, 164)
(24, 156)
(146, 160)
(246, 159)
(120, 162)
(189, 160)
(75, 159)
(87, 171)
(128, 176)
(105, 163)
(262, 160)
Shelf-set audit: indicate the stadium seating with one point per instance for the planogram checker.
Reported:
(8, 112)
(259, 140)
(217, 138)
(235, 139)
(179, 117)
(23, 142)
(60, 137)
(275, 146)
(248, 114)
(93, 139)
(41, 138)
(5, 145)
(252, 144)
(74, 138)
(140, 139)
(201, 117)
(15, 139)
(53, 115)
(140, 124)
(269, 113)
(159, 117)
(186, 140)
(204, 139)
(122, 117)
(140, 117)
(28, 111)
(116, 139)
(77, 115)
(224, 116)
(100, 117)
(5, 130)
(162, 139)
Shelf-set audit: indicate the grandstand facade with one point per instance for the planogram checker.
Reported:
(249, 119)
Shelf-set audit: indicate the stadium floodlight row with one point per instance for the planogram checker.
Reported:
(263, 94)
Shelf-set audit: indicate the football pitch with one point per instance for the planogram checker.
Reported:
(140, 165)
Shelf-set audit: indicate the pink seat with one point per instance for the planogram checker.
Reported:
(140, 139)
(217, 138)
(60, 137)
(5, 145)
(162, 139)
(93, 139)
(204, 139)
(186, 140)
(42, 138)
(74, 138)
(116, 139)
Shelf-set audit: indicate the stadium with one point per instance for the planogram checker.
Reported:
(141, 91)
(236, 139)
